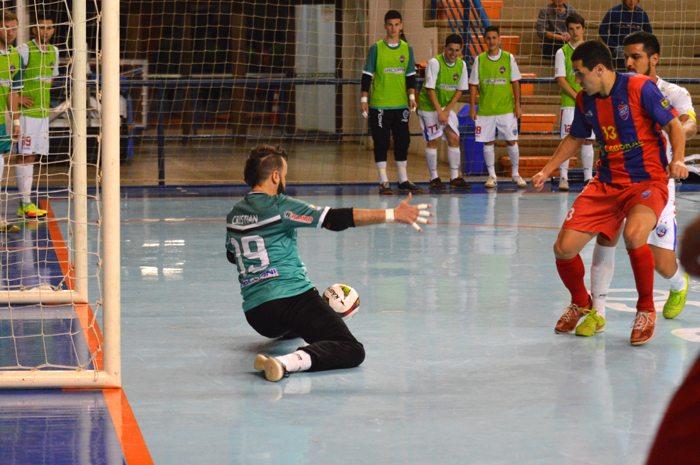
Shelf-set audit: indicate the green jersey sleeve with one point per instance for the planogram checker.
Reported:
(371, 64)
(298, 214)
(411, 68)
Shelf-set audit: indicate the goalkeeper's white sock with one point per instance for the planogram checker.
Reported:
(296, 361)
(454, 157)
(587, 161)
(401, 168)
(431, 160)
(490, 159)
(24, 176)
(381, 167)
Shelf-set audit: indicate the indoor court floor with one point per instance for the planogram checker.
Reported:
(462, 363)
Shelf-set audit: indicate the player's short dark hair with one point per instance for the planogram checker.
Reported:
(649, 41)
(42, 14)
(392, 14)
(262, 162)
(454, 39)
(492, 29)
(593, 53)
(575, 19)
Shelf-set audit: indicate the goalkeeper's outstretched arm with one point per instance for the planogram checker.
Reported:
(343, 218)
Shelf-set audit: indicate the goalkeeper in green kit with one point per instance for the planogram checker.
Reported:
(278, 298)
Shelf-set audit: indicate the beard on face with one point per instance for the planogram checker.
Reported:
(280, 188)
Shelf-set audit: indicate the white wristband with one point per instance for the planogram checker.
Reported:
(389, 215)
(363, 99)
(15, 122)
(411, 96)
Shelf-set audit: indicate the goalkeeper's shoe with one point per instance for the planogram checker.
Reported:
(408, 186)
(385, 189)
(570, 318)
(30, 210)
(274, 369)
(676, 301)
(591, 325)
(459, 183)
(437, 184)
(7, 227)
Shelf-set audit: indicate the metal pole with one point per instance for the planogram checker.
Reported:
(111, 235)
(23, 19)
(161, 137)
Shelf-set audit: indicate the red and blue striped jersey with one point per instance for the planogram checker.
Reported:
(627, 126)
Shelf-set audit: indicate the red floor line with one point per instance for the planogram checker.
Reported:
(127, 429)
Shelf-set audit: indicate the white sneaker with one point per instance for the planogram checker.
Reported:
(8, 227)
(519, 181)
(563, 184)
(491, 182)
(274, 369)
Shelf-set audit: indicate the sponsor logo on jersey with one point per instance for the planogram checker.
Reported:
(665, 104)
(402, 58)
(447, 87)
(394, 71)
(589, 114)
(6, 83)
(455, 76)
(623, 147)
(624, 111)
(502, 69)
(271, 273)
(495, 81)
(244, 219)
(646, 194)
(298, 218)
(661, 230)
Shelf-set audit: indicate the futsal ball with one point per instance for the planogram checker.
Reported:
(343, 299)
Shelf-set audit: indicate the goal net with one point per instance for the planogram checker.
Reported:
(59, 283)
(208, 80)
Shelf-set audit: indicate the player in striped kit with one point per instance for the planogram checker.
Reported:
(40, 60)
(446, 77)
(495, 72)
(642, 53)
(627, 113)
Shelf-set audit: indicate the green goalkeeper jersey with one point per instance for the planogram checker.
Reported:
(10, 77)
(262, 235)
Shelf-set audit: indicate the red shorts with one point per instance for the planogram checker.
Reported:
(601, 207)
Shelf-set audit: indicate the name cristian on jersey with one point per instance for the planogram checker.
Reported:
(394, 71)
(495, 81)
(244, 219)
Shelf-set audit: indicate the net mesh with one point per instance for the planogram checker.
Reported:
(224, 76)
(43, 325)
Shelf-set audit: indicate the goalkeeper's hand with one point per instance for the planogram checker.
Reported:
(413, 214)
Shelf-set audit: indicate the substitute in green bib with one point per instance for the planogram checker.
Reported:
(446, 78)
(576, 27)
(278, 298)
(391, 73)
(40, 60)
(10, 84)
(496, 72)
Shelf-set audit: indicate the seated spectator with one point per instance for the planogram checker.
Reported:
(551, 27)
(618, 23)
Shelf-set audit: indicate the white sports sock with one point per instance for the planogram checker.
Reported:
(24, 175)
(514, 155)
(431, 160)
(564, 169)
(401, 167)
(490, 159)
(587, 161)
(454, 157)
(602, 269)
(296, 361)
(677, 282)
(381, 167)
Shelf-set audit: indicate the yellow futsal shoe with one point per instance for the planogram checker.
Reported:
(676, 301)
(30, 210)
(274, 369)
(591, 325)
(8, 227)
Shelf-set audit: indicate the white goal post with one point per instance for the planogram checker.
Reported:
(107, 200)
